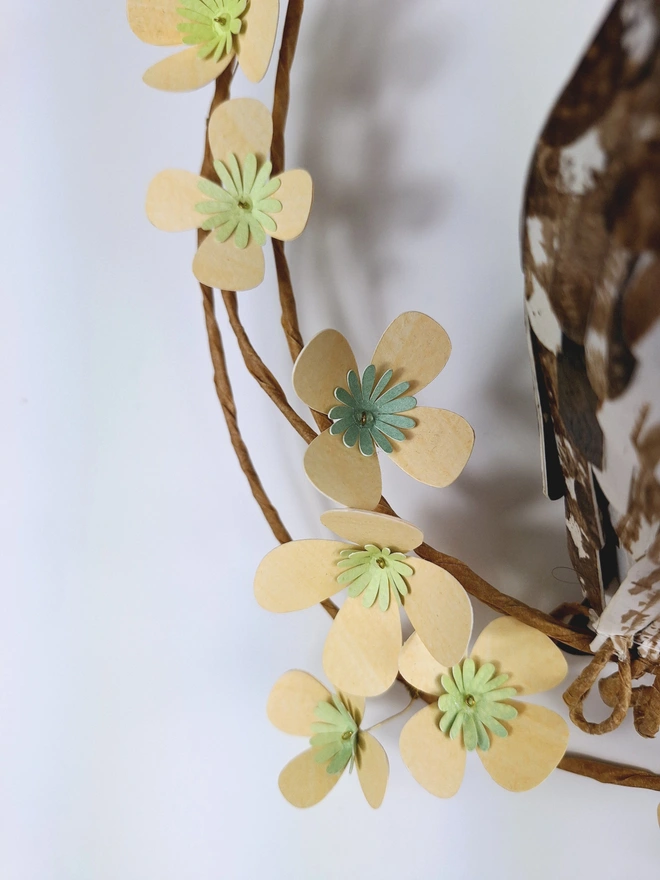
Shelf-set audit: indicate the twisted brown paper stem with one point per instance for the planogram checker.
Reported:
(601, 771)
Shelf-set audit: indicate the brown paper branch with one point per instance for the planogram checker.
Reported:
(479, 588)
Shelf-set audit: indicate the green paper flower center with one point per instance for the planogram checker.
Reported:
(370, 413)
(474, 703)
(243, 205)
(335, 735)
(212, 25)
(223, 23)
(374, 573)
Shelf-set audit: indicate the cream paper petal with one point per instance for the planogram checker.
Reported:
(415, 347)
(354, 704)
(323, 365)
(344, 475)
(373, 769)
(304, 783)
(364, 527)
(295, 194)
(226, 267)
(362, 648)
(239, 127)
(298, 575)
(530, 659)
(536, 744)
(155, 21)
(171, 200)
(256, 41)
(184, 71)
(292, 701)
(419, 667)
(439, 610)
(435, 761)
(437, 449)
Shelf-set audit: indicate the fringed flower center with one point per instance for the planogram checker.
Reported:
(473, 704)
(212, 25)
(242, 206)
(374, 574)
(335, 735)
(370, 412)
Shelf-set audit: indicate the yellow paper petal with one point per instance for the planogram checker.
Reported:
(364, 527)
(440, 611)
(536, 744)
(171, 200)
(343, 474)
(298, 575)
(435, 761)
(533, 662)
(295, 194)
(323, 365)
(226, 267)
(292, 702)
(437, 449)
(373, 769)
(240, 126)
(155, 21)
(256, 41)
(415, 347)
(362, 649)
(184, 72)
(304, 783)
(419, 667)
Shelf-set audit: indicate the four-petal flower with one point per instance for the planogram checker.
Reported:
(239, 212)
(361, 652)
(299, 704)
(432, 445)
(215, 31)
(508, 658)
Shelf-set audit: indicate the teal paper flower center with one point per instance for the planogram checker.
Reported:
(473, 703)
(335, 738)
(211, 25)
(242, 206)
(374, 573)
(370, 412)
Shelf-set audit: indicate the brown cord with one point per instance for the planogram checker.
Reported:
(260, 371)
(599, 770)
(281, 100)
(577, 693)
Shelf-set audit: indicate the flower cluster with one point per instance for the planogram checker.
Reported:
(235, 206)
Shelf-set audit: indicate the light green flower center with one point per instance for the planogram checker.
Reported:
(335, 735)
(211, 25)
(242, 206)
(473, 703)
(374, 573)
(370, 413)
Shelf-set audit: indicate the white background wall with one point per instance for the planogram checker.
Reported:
(134, 662)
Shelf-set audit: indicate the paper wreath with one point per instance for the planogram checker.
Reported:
(216, 30)
(362, 649)
(299, 704)
(509, 658)
(248, 205)
(437, 443)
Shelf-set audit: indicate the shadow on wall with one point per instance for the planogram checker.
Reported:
(500, 523)
(367, 69)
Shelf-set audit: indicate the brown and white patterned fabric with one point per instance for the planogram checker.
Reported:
(591, 259)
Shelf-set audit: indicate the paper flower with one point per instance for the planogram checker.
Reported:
(432, 445)
(243, 208)
(215, 30)
(362, 649)
(299, 704)
(508, 659)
